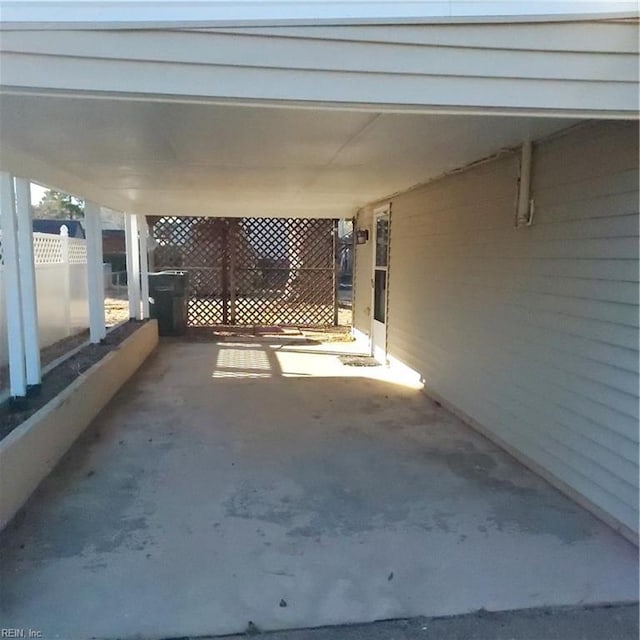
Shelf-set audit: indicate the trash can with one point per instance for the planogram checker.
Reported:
(168, 301)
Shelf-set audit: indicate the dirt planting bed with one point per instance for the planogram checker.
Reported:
(13, 414)
(50, 353)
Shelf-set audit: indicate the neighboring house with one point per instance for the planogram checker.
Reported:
(114, 251)
(489, 149)
(74, 227)
(113, 243)
(111, 220)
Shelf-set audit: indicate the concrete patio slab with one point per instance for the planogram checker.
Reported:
(239, 482)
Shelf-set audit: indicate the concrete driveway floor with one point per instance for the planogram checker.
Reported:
(247, 483)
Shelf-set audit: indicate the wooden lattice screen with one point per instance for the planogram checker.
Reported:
(251, 271)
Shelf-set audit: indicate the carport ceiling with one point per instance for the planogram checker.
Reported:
(168, 158)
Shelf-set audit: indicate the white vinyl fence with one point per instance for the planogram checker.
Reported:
(61, 286)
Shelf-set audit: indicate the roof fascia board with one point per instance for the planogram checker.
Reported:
(140, 14)
(592, 114)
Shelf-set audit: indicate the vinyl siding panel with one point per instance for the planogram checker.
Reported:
(531, 332)
(245, 49)
(591, 68)
(604, 36)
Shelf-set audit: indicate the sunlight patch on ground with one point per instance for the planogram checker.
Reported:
(234, 361)
(250, 360)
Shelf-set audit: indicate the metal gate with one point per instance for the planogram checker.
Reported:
(251, 271)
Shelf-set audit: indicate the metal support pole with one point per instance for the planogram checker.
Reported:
(28, 296)
(143, 230)
(336, 279)
(13, 305)
(133, 265)
(95, 272)
(233, 240)
(225, 273)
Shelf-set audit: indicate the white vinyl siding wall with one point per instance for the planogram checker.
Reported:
(533, 332)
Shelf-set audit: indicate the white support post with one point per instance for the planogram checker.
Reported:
(95, 272)
(28, 296)
(143, 231)
(66, 264)
(13, 306)
(133, 265)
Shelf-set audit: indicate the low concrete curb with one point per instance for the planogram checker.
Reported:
(614, 622)
(29, 452)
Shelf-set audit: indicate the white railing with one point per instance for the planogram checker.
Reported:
(61, 287)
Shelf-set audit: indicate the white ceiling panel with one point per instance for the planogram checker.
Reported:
(196, 159)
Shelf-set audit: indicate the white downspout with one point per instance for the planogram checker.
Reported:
(524, 213)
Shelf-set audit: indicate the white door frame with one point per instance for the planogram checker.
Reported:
(379, 329)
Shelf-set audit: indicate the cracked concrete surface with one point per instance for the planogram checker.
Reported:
(228, 478)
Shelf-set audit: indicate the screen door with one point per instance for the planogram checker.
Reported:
(380, 284)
